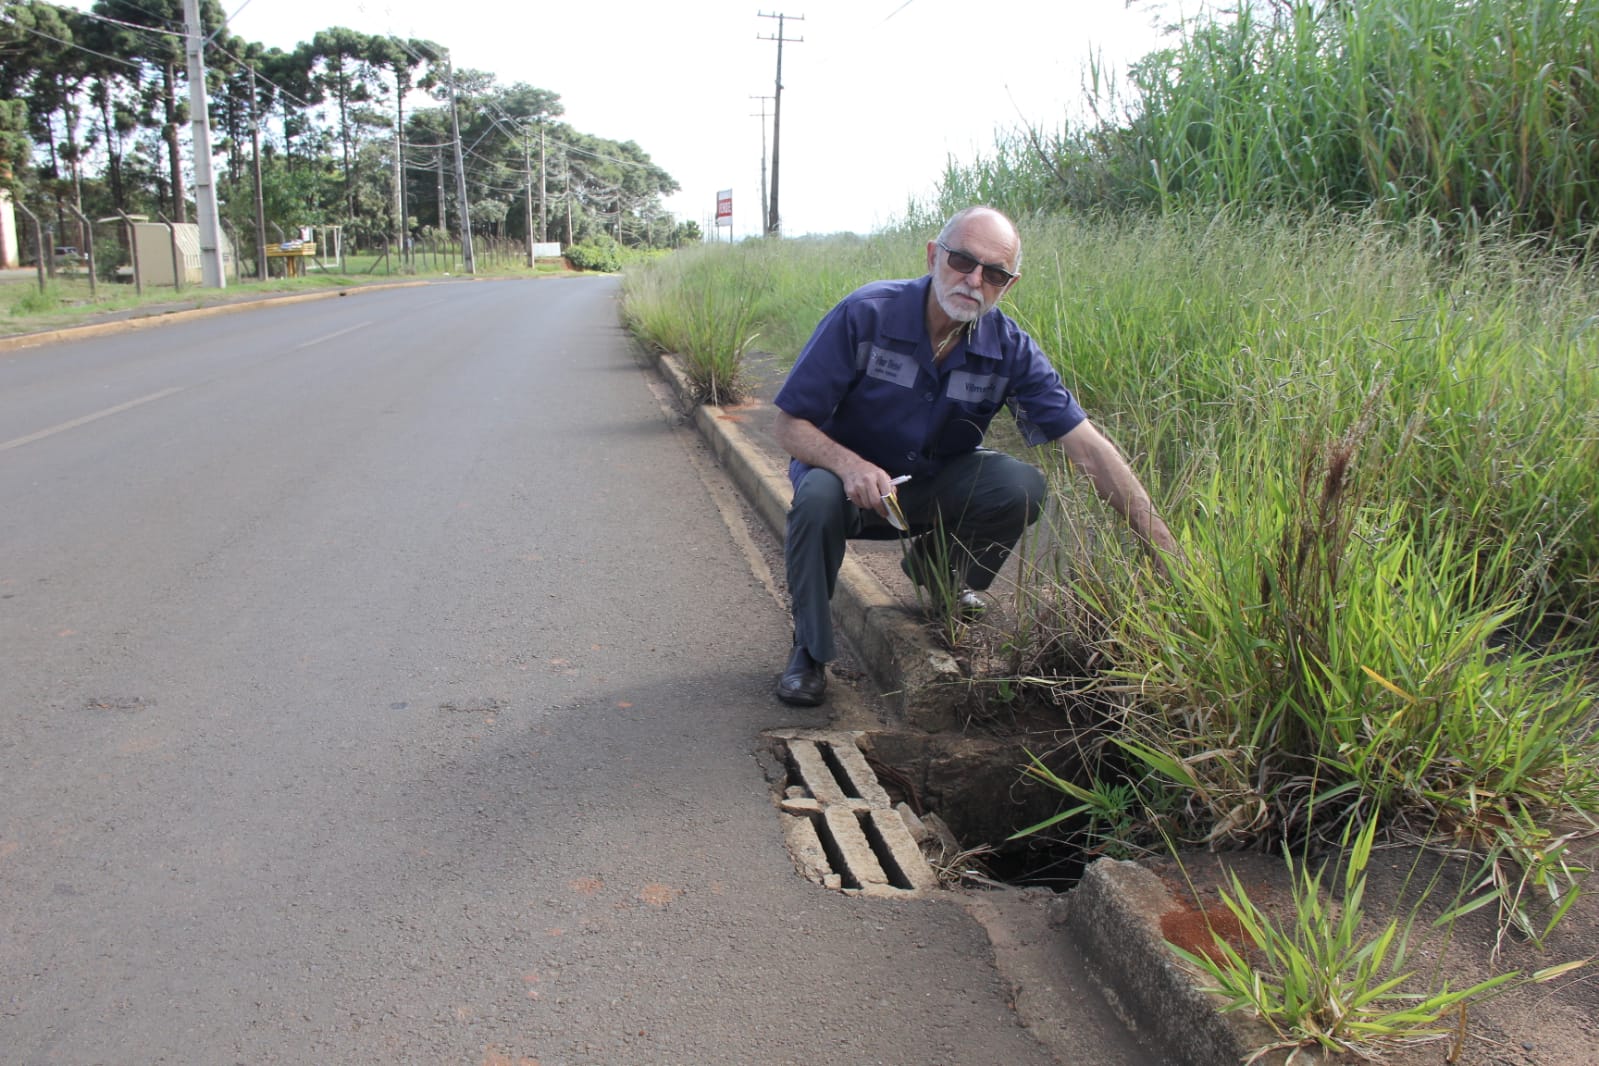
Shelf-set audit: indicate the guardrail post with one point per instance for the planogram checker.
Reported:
(38, 240)
(88, 227)
(172, 231)
(133, 251)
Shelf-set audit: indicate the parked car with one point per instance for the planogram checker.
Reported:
(69, 258)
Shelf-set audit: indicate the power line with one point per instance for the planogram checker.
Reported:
(78, 47)
(141, 27)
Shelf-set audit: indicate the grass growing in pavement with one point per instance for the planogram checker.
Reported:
(1326, 978)
(711, 326)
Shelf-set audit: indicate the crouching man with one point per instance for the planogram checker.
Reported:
(884, 414)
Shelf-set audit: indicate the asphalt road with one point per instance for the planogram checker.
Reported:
(380, 685)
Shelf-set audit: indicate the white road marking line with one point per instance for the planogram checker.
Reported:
(86, 419)
(331, 336)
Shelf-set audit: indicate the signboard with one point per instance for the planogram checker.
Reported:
(724, 208)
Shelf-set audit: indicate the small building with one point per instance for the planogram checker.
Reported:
(155, 244)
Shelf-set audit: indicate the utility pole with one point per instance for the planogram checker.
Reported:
(444, 219)
(401, 204)
(400, 231)
(205, 190)
(260, 196)
(763, 100)
(544, 225)
(566, 194)
(462, 207)
(527, 161)
(773, 218)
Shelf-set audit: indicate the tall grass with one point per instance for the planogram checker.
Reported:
(1385, 472)
(714, 304)
(1215, 345)
(1465, 114)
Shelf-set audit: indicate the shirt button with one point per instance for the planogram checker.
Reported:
(911, 456)
(929, 397)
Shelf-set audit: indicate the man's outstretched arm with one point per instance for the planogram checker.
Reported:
(1091, 451)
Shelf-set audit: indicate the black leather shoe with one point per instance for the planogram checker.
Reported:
(804, 680)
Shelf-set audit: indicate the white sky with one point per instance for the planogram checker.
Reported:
(875, 99)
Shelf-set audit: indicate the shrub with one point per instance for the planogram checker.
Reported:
(600, 253)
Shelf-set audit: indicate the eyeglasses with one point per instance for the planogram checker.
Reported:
(961, 263)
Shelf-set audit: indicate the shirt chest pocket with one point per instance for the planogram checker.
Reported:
(977, 393)
(893, 368)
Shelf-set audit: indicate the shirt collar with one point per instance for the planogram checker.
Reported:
(906, 321)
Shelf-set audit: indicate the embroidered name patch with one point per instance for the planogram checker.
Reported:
(968, 387)
(891, 366)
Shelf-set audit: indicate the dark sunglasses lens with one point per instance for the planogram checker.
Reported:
(961, 263)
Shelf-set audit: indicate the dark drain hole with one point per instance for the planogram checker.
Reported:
(835, 855)
(885, 854)
(977, 794)
(836, 767)
(791, 764)
(1055, 865)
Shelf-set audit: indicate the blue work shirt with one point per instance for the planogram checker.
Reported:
(867, 379)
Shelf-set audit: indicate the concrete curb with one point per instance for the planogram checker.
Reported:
(1113, 917)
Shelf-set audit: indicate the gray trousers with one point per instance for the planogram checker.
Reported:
(967, 519)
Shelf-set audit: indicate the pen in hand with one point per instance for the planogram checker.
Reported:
(896, 482)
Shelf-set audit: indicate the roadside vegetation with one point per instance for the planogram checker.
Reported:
(1326, 271)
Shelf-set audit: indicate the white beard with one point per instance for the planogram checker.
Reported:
(960, 311)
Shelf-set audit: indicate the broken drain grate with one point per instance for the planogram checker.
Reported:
(841, 827)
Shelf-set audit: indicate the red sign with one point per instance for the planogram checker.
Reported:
(724, 207)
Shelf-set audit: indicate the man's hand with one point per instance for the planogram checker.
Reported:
(865, 483)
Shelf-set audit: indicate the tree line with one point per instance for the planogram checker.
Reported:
(94, 113)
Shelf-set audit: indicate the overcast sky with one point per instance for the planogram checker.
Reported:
(875, 98)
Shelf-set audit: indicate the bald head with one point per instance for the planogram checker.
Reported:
(983, 224)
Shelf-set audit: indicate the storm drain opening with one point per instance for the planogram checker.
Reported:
(900, 813)
(974, 796)
(841, 825)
